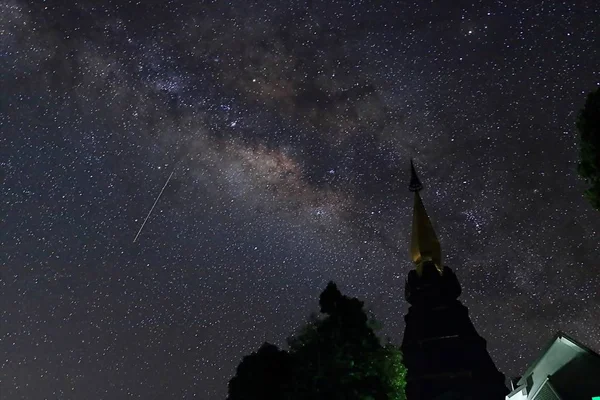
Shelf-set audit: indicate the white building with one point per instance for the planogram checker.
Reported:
(565, 370)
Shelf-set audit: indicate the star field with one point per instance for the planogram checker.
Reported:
(288, 126)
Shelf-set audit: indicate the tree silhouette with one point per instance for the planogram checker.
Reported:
(264, 375)
(588, 125)
(336, 356)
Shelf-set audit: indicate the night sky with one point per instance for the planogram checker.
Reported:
(288, 127)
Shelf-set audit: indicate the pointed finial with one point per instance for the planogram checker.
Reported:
(415, 184)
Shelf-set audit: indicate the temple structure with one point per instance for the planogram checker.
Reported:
(445, 356)
(565, 370)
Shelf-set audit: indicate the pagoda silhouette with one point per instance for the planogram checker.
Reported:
(445, 356)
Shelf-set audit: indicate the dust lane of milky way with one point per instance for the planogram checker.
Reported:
(292, 125)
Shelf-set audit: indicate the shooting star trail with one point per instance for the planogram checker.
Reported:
(155, 201)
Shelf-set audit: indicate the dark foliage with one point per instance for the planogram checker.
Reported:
(334, 357)
(263, 375)
(588, 125)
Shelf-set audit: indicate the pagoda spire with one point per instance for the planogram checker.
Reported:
(444, 355)
(425, 246)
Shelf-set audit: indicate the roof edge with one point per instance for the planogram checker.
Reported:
(558, 335)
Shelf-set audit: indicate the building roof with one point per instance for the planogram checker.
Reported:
(558, 336)
(565, 368)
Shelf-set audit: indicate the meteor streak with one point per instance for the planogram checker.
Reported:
(155, 201)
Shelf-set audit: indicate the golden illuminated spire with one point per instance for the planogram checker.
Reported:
(424, 245)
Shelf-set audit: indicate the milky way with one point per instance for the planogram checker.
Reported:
(289, 127)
